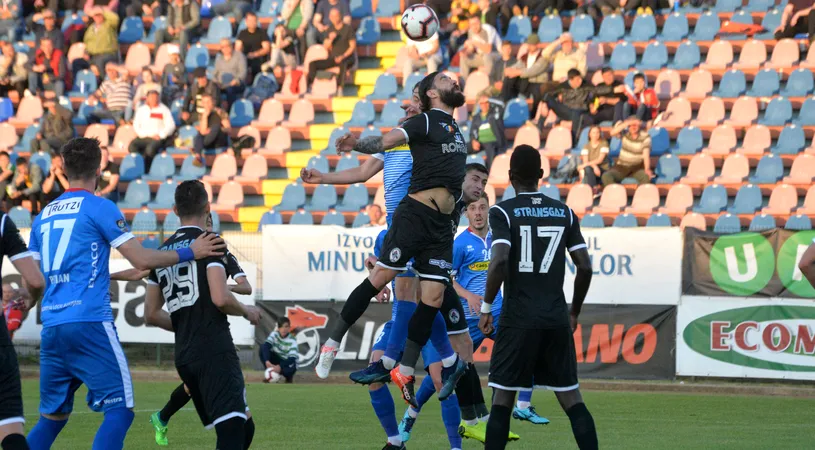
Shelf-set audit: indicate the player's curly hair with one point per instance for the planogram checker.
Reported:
(425, 85)
(191, 199)
(81, 157)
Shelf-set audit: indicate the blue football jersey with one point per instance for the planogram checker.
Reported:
(72, 238)
(471, 259)
(395, 176)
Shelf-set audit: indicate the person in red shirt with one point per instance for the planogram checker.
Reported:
(11, 313)
(47, 70)
(642, 101)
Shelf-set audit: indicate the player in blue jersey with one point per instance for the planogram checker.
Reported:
(72, 238)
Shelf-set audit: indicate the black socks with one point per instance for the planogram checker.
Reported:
(249, 433)
(14, 442)
(498, 428)
(231, 434)
(582, 426)
(354, 308)
(178, 399)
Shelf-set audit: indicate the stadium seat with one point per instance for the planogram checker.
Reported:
(302, 217)
(808, 207)
(368, 32)
(386, 87)
(756, 141)
(189, 171)
(580, 198)
(722, 141)
(318, 162)
(592, 221)
(151, 242)
(744, 112)
(527, 134)
(706, 28)
(121, 140)
(677, 114)
(783, 199)
(175, 110)
(387, 8)
(762, 222)
(625, 221)
(689, 141)
(323, 198)
(790, 142)
(769, 22)
(623, 57)
(84, 84)
(658, 220)
(558, 142)
(100, 132)
(8, 136)
(6, 109)
(20, 216)
(254, 133)
(509, 193)
(752, 56)
(777, 113)
(770, 169)
(355, 197)
(361, 8)
(271, 113)
(710, 114)
(699, 85)
(131, 167)
(798, 222)
(520, 27)
(759, 5)
(693, 220)
(29, 111)
(136, 196)
(735, 169)
(668, 170)
(739, 17)
(802, 171)
(612, 29)
(159, 23)
(197, 56)
(806, 115)
(733, 84)
(331, 149)
(700, 170)
(766, 84)
(799, 84)
(687, 56)
(255, 168)
(726, 6)
(186, 136)
(660, 141)
(171, 223)
(241, 113)
(362, 219)
(550, 28)
(516, 113)
(713, 200)
(24, 144)
(786, 54)
(408, 84)
(595, 56)
(223, 169)
(719, 56)
(550, 190)
(144, 221)
(613, 199)
(809, 62)
(668, 84)
(748, 200)
(301, 114)
(219, 28)
(42, 159)
(138, 57)
(645, 201)
(678, 201)
(132, 30)
(333, 218)
(643, 29)
(286, 92)
(165, 197)
(654, 58)
(229, 198)
(161, 168)
(675, 28)
(727, 224)
(270, 217)
(347, 161)
(476, 83)
(582, 28)
(370, 131)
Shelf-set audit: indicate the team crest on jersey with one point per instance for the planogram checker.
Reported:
(395, 255)
(454, 316)
(447, 127)
(536, 200)
(122, 225)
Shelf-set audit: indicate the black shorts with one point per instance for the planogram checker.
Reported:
(11, 395)
(423, 234)
(216, 388)
(523, 360)
(453, 312)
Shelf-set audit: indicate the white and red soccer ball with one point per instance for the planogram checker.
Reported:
(419, 22)
(271, 376)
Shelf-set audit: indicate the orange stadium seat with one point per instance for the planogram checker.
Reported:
(8, 137)
(75, 52)
(271, 113)
(809, 62)
(580, 198)
(693, 220)
(757, 140)
(802, 170)
(744, 112)
(546, 165)
(28, 111)
(99, 132)
(138, 57)
(286, 90)
(710, 114)
(752, 56)
(162, 58)
(700, 171)
(230, 197)
(301, 114)
(678, 201)
(490, 191)
(121, 140)
(499, 171)
(786, 54)
(783, 200)
(699, 85)
(645, 201)
(668, 84)
(223, 168)
(527, 134)
(314, 53)
(558, 142)
(613, 200)
(736, 169)
(722, 141)
(477, 81)
(677, 114)
(255, 168)
(322, 88)
(808, 207)
(249, 130)
(719, 55)
(277, 141)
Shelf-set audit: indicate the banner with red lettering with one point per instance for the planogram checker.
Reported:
(612, 341)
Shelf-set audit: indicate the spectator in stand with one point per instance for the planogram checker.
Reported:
(102, 37)
(594, 157)
(461, 11)
(297, 16)
(13, 71)
(341, 44)
(487, 127)
(10, 13)
(201, 86)
(146, 8)
(26, 184)
(81, 63)
(254, 43)
(48, 29)
(575, 98)
(111, 6)
(321, 22)
(535, 8)
(153, 124)
(375, 216)
(635, 154)
(183, 21)
(480, 49)
(173, 77)
(609, 108)
(597, 9)
(529, 76)
(640, 101)
(230, 71)
(284, 52)
(642, 6)
(12, 312)
(56, 183)
(6, 174)
(279, 352)
(47, 71)
(232, 8)
(798, 18)
(147, 85)
(57, 127)
(422, 54)
(508, 58)
(570, 56)
(116, 94)
(107, 185)
(210, 128)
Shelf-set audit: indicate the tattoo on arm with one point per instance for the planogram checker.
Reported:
(370, 145)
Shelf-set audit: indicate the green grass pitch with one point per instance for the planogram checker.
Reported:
(316, 416)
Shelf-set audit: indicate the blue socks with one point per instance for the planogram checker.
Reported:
(399, 332)
(525, 396)
(451, 416)
(440, 340)
(382, 401)
(426, 390)
(112, 432)
(44, 433)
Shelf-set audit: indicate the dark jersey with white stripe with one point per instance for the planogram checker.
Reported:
(233, 268)
(539, 230)
(439, 152)
(201, 329)
(13, 246)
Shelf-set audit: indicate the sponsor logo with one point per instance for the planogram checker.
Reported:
(62, 207)
(763, 337)
(543, 212)
(122, 225)
(454, 316)
(395, 254)
(446, 127)
(479, 266)
(537, 200)
(441, 264)
(454, 147)
(307, 322)
(110, 401)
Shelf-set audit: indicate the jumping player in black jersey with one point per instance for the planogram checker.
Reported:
(199, 300)
(534, 348)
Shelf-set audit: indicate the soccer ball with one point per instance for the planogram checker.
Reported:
(419, 22)
(271, 376)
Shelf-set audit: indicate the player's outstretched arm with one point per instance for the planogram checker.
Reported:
(582, 281)
(359, 174)
(205, 246)
(154, 314)
(372, 144)
(807, 264)
(496, 275)
(33, 279)
(223, 298)
(130, 275)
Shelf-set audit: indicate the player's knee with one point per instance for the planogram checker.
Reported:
(406, 289)
(503, 398)
(375, 386)
(231, 434)
(569, 398)
(57, 417)
(380, 277)
(186, 389)
(120, 418)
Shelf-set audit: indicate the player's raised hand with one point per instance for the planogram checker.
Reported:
(208, 244)
(410, 111)
(384, 296)
(370, 262)
(485, 324)
(252, 314)
(345, 143)
(311, 176)
(22, 300)
(474, 302)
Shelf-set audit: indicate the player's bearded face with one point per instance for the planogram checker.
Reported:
(452, 96)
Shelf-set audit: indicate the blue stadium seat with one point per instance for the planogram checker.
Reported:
(175, 110)
(688, 142)
(361, 8)
(592, 221)
(516, 114)
(390, 115)
(368, 32)
(6, 109)
(370, 131)
(476, 158)
(791, 141)
(726, 5)
(509, 193)
(68, 21)
(612, 29)
(614, 147)
(219, 28)
(270, 217)
(643, 29)
(770, 169)
(465, 131)
(561, 164)
(323, 198)
(136, 196)
(741, 17)
(748, 200)
(197, 56)
(675, 28)
(658, 220)
(302, 217)
(520, 27)
(625, 221)
(582, 139)
(660, 141)
(85, 109)
(623, 57)
(759, 5)
(171, 223)
(187, 134)
(242, 113)
(582, 28)
(269, 8)
(669, 169)
(770, 22)
(407, 90)
(463, 221)
(363, 114)
(762, 222)
(165, 197)
(216, 221)
(387, 8)
(356, 197)
(189, 171)
(161, 168)
(332, 139)
(385, 87)
(799, 84)
(131, 167)
(713, 201)
(732, 85)
(687, 56)
(294, 196)
(798, 222)
(145, 221)
(361, 219)
(159, 23)
(41, 159)
(806, 115)
(151, 242)
(706, 28)
(206, 7)
(550, 28)
(766, 84)
(333, 218)
(550, 190)
(24, 144)
(20, 216)
(318, 162)
(132, 30)
(777, 113)
(727, 224)
(347, 161)
(655, 57)
(84, 84)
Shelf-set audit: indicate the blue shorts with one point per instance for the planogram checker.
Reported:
(429, 353)
(84, 352)
(475, 333)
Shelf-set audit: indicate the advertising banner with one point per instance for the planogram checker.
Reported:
(612, 341)
(746, 264)
(127, 302)
(740, 337)
(327, 263)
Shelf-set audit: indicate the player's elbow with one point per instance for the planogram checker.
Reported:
(220, 300)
